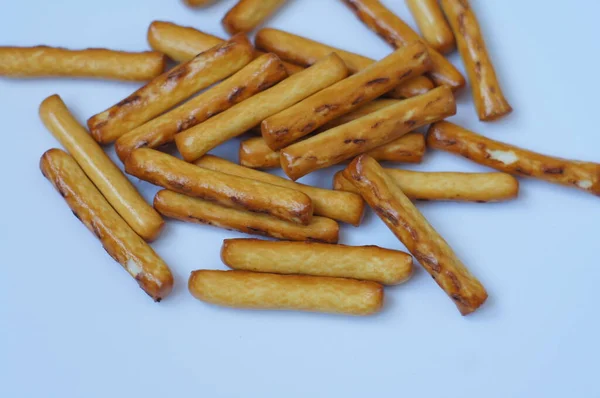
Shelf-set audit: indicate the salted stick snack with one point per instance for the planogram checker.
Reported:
(370, 263)
(171, 88)
(118, 239)
(413, 230)
(433, 25)
(347, 208)
(200, 139)
(107, 177)
(514, 160)
(199, 3)
(459, 187)
(248, 14)
(253, 290)
(303, 51)
(255, 77)
(490, 102)
(398, 34)
(366, 133)
(44, 61)
(293, 123)
(185, 208)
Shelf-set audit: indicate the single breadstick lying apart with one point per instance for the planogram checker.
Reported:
(291, 124)
(43, 61)
(303, 51)
(117, 238)
(366, 133)
(199, 3)
(171, 88)
(327, 203)
(371, 263)
(413, 230)
(460, 187)
(248, 14)
(185, 208)
(254, 290)
(432, 24)
(109, 179)
(487, 94)
(255, 77)
(200, 139)
(514, 160)
(397, 33)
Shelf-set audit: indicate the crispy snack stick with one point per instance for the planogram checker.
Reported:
(303, 51)
(253, 290)
(185, 208)
(397, 33)
(199, 3)
(171, 88)
(432, 24)
(514, 160)
(368, 132)
(238, 119)
(371, 263)
(413, 230)
(460, 187)
(169, 172)
(117, 238)
(327, 203)
(43, 61)
(487, 94)
(248, 14)
(255, 77)
(113, 184)
(291, 124)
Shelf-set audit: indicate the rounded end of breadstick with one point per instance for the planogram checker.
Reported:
(49, 105)
(157, 289)
(500, 109)
(151, 228)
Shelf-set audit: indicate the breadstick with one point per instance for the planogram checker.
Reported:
(460, 187)
(199, 3)
(255, 77)
(185, 208)
(368, 132)
(398, 34)
(248, 14)
(107, 177)
(172, 173)
(43, 61)
(327, 203)
(303, 51)
(413, 230)
(371, 263)
(117, 238)
(514, 160)
(238, 119)
(487, 94)
(170, 88)
(253, 290)
(432, 24)
(291, 124)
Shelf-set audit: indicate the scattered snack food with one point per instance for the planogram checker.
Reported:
(248, 14)
(433, 25)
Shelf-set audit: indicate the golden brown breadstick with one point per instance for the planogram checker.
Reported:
(170, 88)
(117, 238)
(460, 187)
(432, 24)
(248, 14)
(487, 94)
(368, 132)
(397, 33)
(199, 3)
(371, 263)
(43, 61)
(254, 290)
(185, 208)
(238, 119)
(514, 160)
(113, 184)
(255, 77)
(303, 51)
(291, 124)
(172, 173)
(327, 203)
(413, 230)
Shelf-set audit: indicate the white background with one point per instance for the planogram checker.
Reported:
(74, 324)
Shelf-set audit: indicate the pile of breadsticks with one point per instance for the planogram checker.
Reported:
(310, 106)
